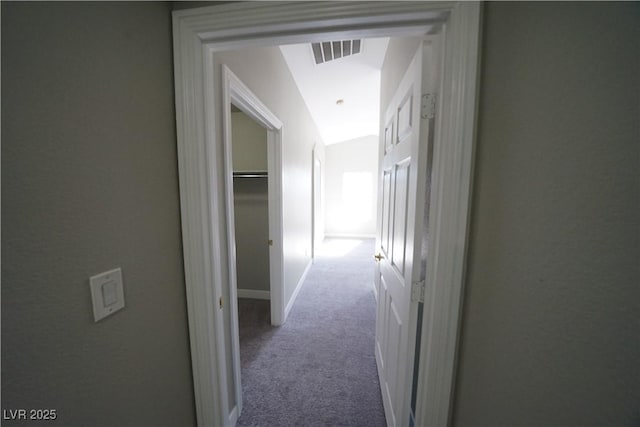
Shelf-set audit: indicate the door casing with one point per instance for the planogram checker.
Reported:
(317, 205)
(198, 34)
(236, 92)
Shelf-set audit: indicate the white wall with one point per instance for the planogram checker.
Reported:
(265, 72)
(351, 187)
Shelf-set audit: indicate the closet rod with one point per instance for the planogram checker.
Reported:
(259, 174)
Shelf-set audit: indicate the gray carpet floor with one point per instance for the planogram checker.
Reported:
(319, 368)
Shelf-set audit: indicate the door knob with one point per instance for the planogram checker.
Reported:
(378, 257)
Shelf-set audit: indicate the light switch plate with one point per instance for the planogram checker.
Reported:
(107, 294)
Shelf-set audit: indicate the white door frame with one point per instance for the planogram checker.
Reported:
(198, 34)
(236, 92)
(317, 214)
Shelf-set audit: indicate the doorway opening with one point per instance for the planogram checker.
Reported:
(250, 206)
(350, 189)
(199, 34)
(353, 174)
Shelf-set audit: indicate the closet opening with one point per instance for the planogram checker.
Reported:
(251, 206)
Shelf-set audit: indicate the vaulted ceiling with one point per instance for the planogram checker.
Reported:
(343, 92)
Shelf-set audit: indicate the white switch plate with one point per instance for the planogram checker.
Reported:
(107, 294)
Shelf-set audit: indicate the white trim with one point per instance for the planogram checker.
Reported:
(317, 216)
(234, 415)
(197, 34)
(236, 91)
(449, 216)
(349, 236)
(276, 227)
(296, 291)
(227, 89)
(254, 294)
(200, 231)
(233, 90)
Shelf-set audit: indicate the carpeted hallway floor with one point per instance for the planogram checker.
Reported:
(319, 367)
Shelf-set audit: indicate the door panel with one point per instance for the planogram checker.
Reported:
(400, 180)
(381, 314)
(401, 199)
(394, 331)
(405, 116)
(388, 137)
(394, 327)
(386, 205)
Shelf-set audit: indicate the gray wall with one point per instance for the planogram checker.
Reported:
(89, 182)
(551, 317)
(552, 313)
(251, 215)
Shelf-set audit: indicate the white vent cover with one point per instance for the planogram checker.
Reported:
(328, 51)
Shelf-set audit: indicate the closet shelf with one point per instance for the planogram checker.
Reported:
(251, 174)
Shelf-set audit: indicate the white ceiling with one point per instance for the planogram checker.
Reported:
(355, 79)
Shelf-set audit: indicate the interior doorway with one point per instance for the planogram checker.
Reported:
(257, 168)
(251, 207)
(199, 34)
(253, 185)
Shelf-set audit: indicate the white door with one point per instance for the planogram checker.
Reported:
(401, 192)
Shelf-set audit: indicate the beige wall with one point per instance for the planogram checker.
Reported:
(251, 212)
(249, 144)
(551, 317)
(89, 183)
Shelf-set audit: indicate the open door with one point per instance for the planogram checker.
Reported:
(401, 194)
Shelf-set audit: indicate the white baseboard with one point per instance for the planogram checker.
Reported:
(349, 236)
(297, 291)
(250, 293)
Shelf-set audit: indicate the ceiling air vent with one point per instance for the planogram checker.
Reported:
(328, 51)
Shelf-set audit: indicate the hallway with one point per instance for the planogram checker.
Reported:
(319, 367)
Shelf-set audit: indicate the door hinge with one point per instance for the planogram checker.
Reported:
(417, 291)
(428, 106)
